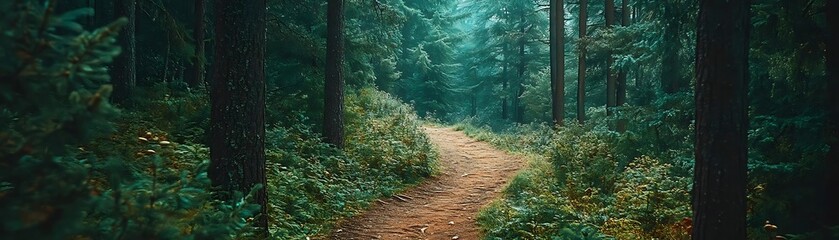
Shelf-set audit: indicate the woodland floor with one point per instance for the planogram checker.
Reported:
(445, 206)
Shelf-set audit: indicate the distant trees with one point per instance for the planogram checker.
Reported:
(672, 79)
(722, 73)
(427, 59)
(237, 122)
(333, 116)
(557, 19)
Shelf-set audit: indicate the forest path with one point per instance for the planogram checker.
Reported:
(445, 206)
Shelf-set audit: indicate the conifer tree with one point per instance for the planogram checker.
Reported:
(557, 18)
(581, 72)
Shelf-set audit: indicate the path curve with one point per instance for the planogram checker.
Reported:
(445, 206)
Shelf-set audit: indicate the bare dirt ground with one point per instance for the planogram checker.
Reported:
(445, 206)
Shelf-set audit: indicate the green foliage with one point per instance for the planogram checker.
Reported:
(64, 172)
(311, 185)
(589, 185)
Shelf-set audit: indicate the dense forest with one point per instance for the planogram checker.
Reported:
(419, 119)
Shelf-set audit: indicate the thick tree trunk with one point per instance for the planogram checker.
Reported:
(124, 69)
(611, 92)
(581, 71)
(620, 96)
(333, 116)
(672, 80)
(237, 122)
(722, 73)
(557, 19)
(831, 213)
(197, 68)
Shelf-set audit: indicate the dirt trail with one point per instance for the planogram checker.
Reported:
(444, 206)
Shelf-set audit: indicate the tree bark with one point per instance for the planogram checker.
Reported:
(333, 117)
(124, 69)
(504, 85)
(197, 68)
(672, 80)
(237, 121)
(518, 108)
(581, 71)
(831, 183)
(722, 75)
(557, 20)
(611, 92)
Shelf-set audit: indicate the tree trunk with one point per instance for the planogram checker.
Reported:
(581, 71)
(237, 121)
(610, 78)
(333, 116)
(557, 19)
(722, 75)
(620, 96)
(124, 69)
(505, 112)
(831, 215)
(518, 112)
(672, 80)
(196, 69)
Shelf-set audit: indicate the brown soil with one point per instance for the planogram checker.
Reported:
(445, 206)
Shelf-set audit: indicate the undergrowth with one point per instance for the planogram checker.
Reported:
(589, 182)
(311, 185)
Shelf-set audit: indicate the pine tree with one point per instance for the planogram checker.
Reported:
(611, 91)
(557, 18)
(581, 72)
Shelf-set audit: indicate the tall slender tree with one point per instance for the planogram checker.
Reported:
(609, 13)
(620, 96)
(722, 74)
(125, 65)
(333, 116)
(237, 121)
(518, 107)
(557, 19)
(505, 82)
(581, 71)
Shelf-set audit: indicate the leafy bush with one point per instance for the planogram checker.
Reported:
(586, 183)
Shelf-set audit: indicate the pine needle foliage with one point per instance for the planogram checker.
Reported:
(65, 172)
